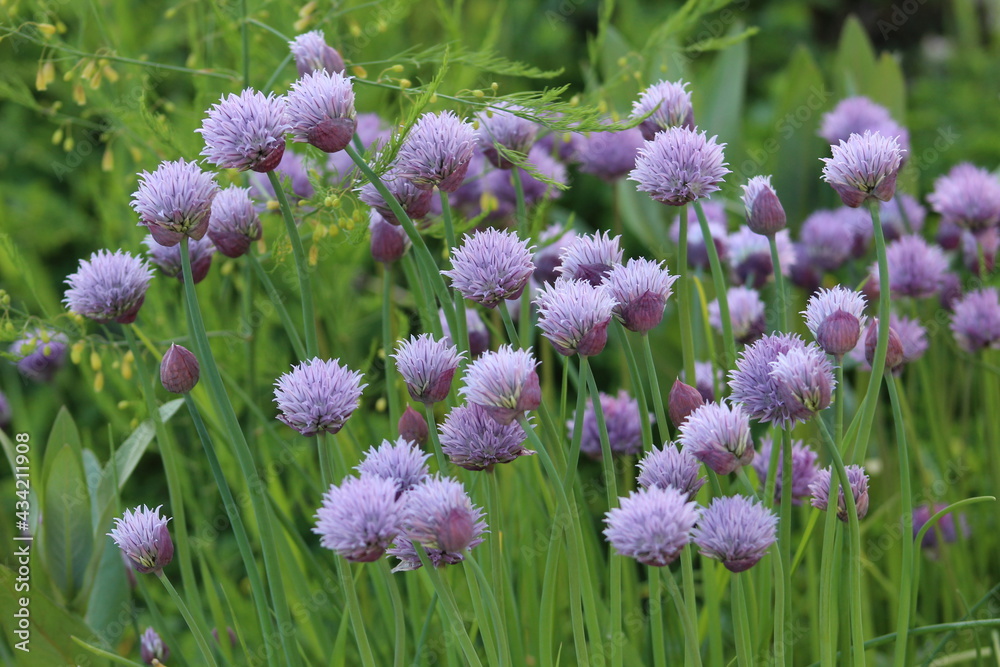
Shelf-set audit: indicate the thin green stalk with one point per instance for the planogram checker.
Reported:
(451, 611)
(279, 305)
(691, 645)
(196, 629)
(301, 266)
(239, 531)
(654, 383)
(860, 446)
(496, 610)
(640, 393)
(435, 440)
(424, 630)
(493, 509)
(398, 613)
(245, 43)
(461, 333)
(838, 432)
(174, 474)
(719, 280)
(782, 579)
(687, 581)
(262, 512)
(780, 295)
(508, 324)
(744, 649)
(354, 610)
(906, 501)
(907, 225)
(387, 343)
(684, 298)
(712, 608)
(828, 617)
(524, 232)
(656, 617)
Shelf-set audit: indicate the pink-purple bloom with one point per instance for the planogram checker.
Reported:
(360, 518)
(836, 317)
(609, 155)
(737, 531)
(491, 266)
(40, 353)
(864, 167)
(574, 316)
(399, 461)
(437, 151)
(175, 201)
(858, 481)
(109, 287)
(718, 435)
(765, 215)
(804, 468)
(472, 439)
(854, 115)
(759, 389)
(318, 396)
(427, 366)
(916, 268)
(651, 525)
(749, 256)
(946, 525)
(893, 224)
(320, 110)
(245, 131)
(503, 382)
(590, 257)
(312, 53)
(142, 535)
(548, 257)
(668, 104)
(976, 320)
(439, 515)
(479, 335)
(641, 288)
(828, 236)
(500, 126)
(805, 381)
(168, 258)
(746, 312)
(967, 196)
(234, 223)
(623, 420)
(151, 647)
(679, 165)
(670, 467)
(388, 242)
(415, 202)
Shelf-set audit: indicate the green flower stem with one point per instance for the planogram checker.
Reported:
(712, 608)
(301, 266)
(262, 512)
(828, 618)
(493, 508)
(860, 446)
(611, 485)
(684, 299)
(354, 611)
(461, 330)
(687, 581)
(905, 216)
(387, 344)
(838, 432)
(906, 502)
(857, 625)
(524, 233)
(780, 295)
(482, 622)
(640, 392)
(428, 315)
(782, 579)
(654, 384)
(398, 614)
(239, 531)
(691, 645)
(279, 305)
(174, 474)
(495, 608)
(508, 324)
(442, 461)
(454, 618)
(741, 624)
(656, 617)
(196, 629)
(326, 468)
(719, 280)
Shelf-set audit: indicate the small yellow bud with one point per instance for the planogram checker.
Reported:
(396, 68)
(478, 93)
(68, 144)
(88, 69)
(76, 352)
(40, 82)
(495, 86)
(95, 361)
(380, 404)
(622, 61)
(314, 255)
(122, 405)
(46, 29)
(170, 13)
(136, 153)
(110, 73)
(301, 24)
(307, 9)
(79, 94)
(227, 268)
(57, 136)
(434, 98)
(108, 159)
(360, 72)
(129, 358)
(99, 383)
(405, 83)
(355, 29)
(273, 205)
(319, 232)
(334, 231)
(61, 27)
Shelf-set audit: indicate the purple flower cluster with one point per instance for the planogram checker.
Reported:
(234, 223)
(718, 435)
(591, 257)
(641, 289)
(746, 312)
(671, 467)
(491, 266)
(858, 481)
(967, 196)
(320, 110)
(652, 525)
(975, 321)
(668, 105)
(472, 439)
(622, 418)
(109, 287)
(39, 354)
(864, 167)
(503, 382)
(437, 151)
(245, 131)
(142, 535)
(175, 201)
(574, 315)
(318, 396)
(399, 461)
(360, 518)
(679, 165)
(804, 468)
(737, 531)
(427, 366)
(168, 258)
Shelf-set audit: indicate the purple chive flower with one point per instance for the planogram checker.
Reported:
(318, 395)
(168, 259)
(414, 201)
(864, 167)
(907, 342)
(320, 110)
(234, 224)
(976, 320)
(39, 354)
(497, 182)
(670, 467)
(827, 237)
(109, 287)
(893, 225)
(360, 518)
(746, 312)
(548, 258)
(623, 420)
(854, 115)
(373, 133)
(856, 477)
(967, 196)
(682, 400)
(491, 266)
(152, 647)
(641, 287)
(737, 531)
(504, 382)
(946, 525)
(610, 155)
(479, 335)
(985, 243)
(718, 435)
(912, 336)
(472, 439)
(916, 268)
(591, 257)
(836, 318)
(437, 151)
(765, 215)
(670, 104)
(803, 468)
(759, 390)
(440, 515)
(715, 216)
(142, 535)
(175, 201)
(179, 370)
(749, 256)
(500, 126)
(388, 242)
(894, 351)
(679, 165)
(399, 461)
(574, 316)
(805, 381)
(427, 366)
(312, 53)
(245, 131)
(652, 525)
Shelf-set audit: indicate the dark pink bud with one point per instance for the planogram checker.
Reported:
(179, 370)
(389, 242)
(413, 427)
(682, 401)
(593, 341)
(332, 135)
(894, 353)
(268, 162)
(838, 334)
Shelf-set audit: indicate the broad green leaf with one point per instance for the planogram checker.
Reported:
(724, 95)
(109, 594)
(63, 432)
(66, 535)
(854, 64)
